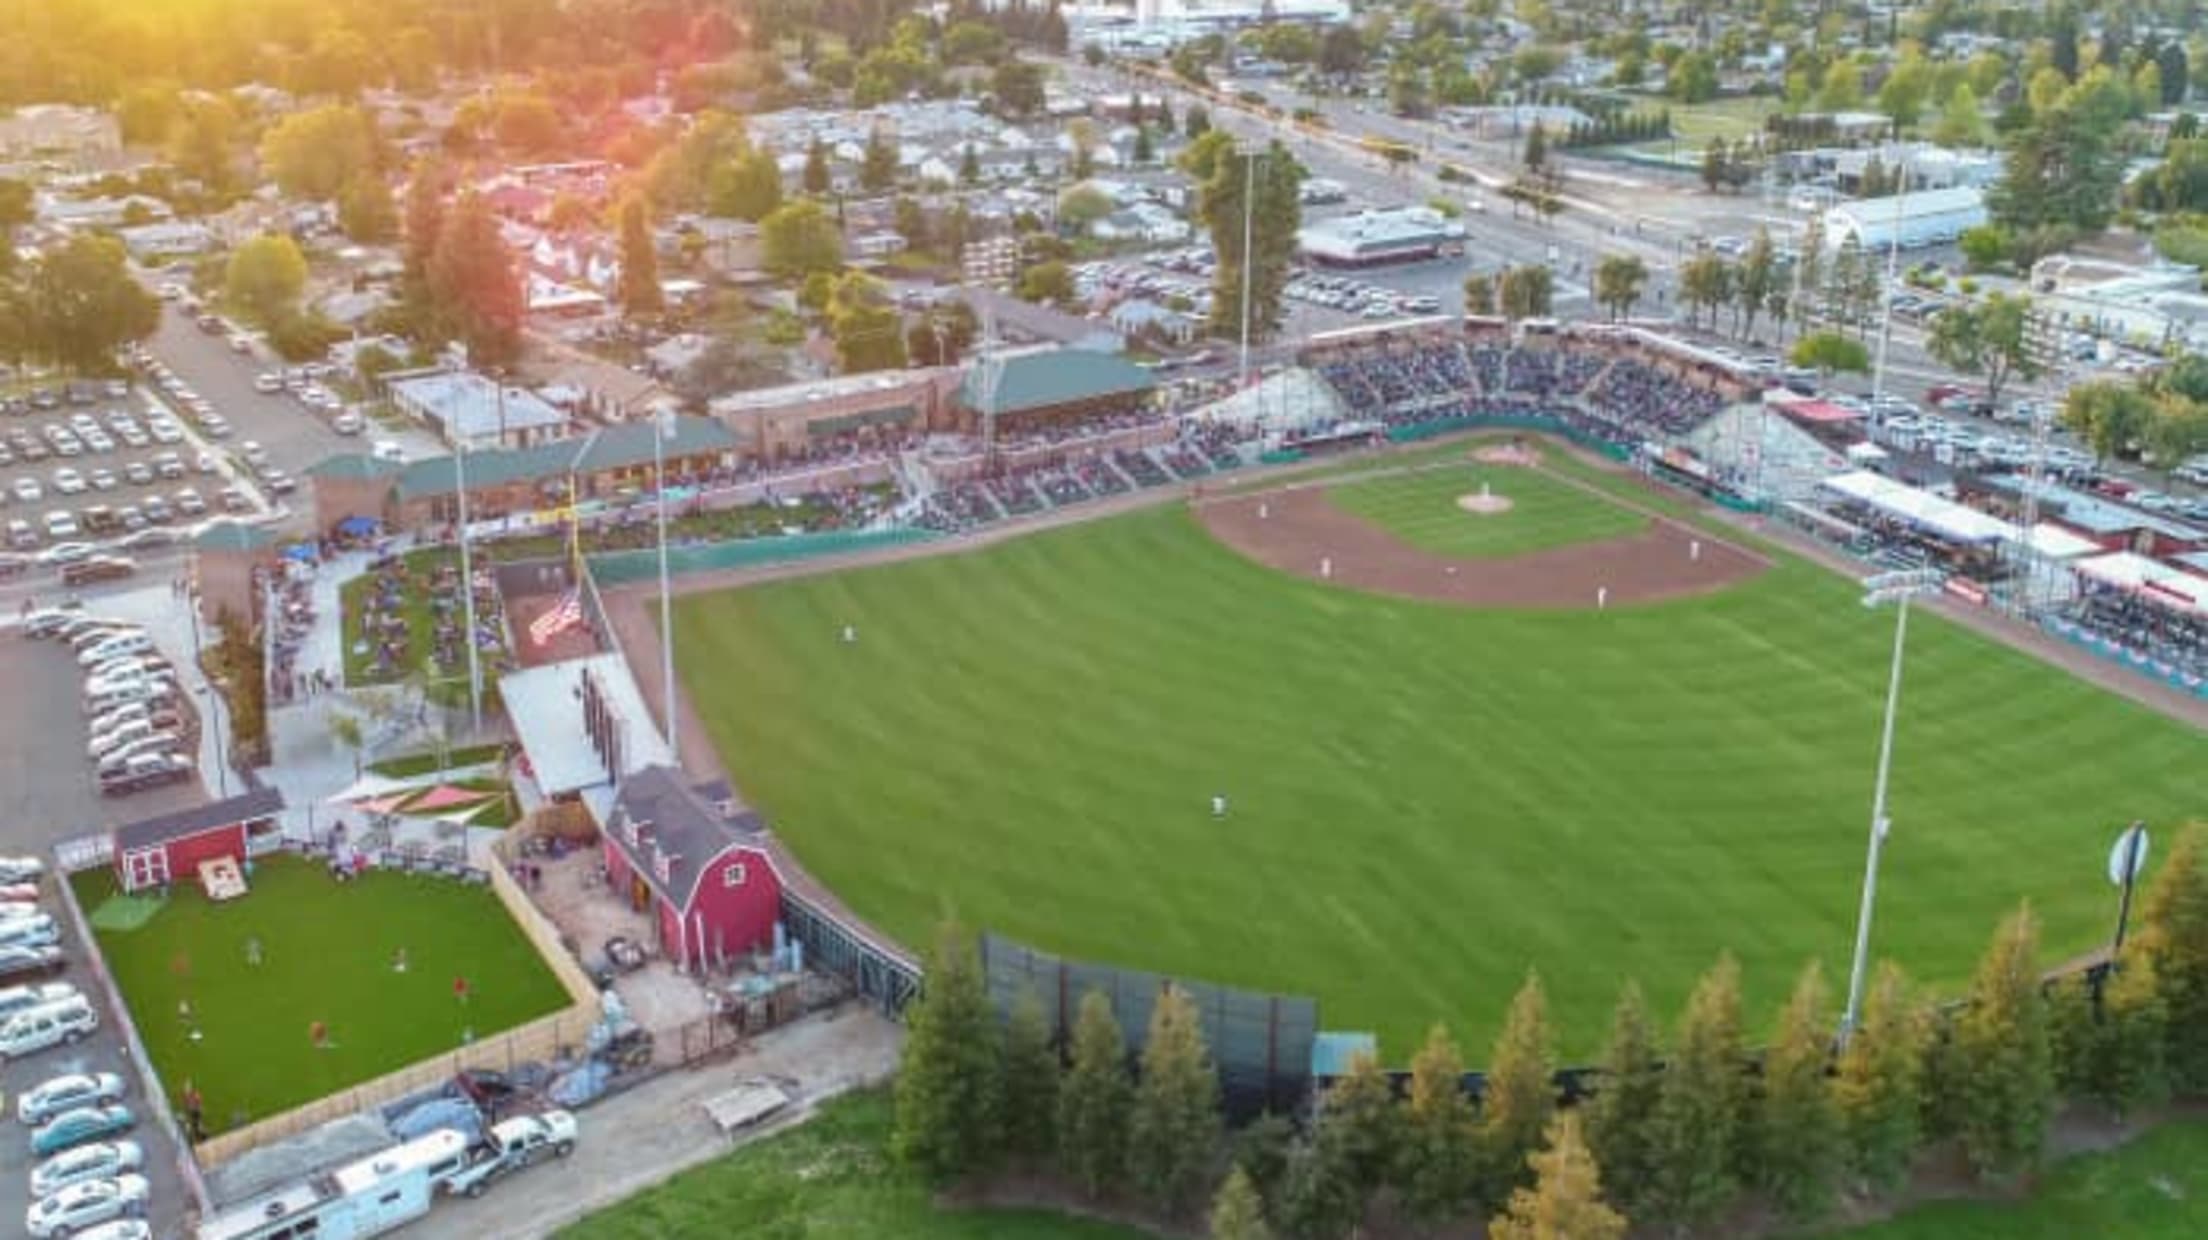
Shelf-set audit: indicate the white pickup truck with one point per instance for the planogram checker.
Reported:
(511, 1145)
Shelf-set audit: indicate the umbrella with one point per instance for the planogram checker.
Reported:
(302, 552)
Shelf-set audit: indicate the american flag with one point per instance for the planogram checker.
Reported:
(558, 619)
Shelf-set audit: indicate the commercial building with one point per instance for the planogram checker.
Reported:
(1370, 238)
(783, 422)
(473, 413)
(1926, 217)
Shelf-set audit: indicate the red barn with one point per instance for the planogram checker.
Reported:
(169, 848)
(703, 874)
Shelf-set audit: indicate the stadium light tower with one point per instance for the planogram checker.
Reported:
(1898, 589)
(662, 427)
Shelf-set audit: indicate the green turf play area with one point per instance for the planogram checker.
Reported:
(1426, 801)
(327, 954)
(1420, 507)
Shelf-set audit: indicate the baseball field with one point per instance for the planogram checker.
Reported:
(1427, 797)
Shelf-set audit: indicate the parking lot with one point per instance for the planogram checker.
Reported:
(294, 436)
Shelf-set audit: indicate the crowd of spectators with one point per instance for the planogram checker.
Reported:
(1199, 450)
(2159, 633)
(1649, 402)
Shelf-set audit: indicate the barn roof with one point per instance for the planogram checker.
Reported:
(185, 823)
(672, 818)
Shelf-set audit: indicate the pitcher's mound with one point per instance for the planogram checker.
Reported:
(1483, 505)
(1506, 454)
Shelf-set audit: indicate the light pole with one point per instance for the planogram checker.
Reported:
(660, 419)
(467, 582)
(1897, 588)
(1249, 215)
(214, 731)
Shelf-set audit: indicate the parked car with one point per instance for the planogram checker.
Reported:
(47, 621)
(85, 1205)
(119, 1229)
(67, 1092)
(30, 928)
(101, 1160)
(79, 1126)
(99, 568)
(146, 770)
(27, 1033)
(21, 869)
(29, 961)
(15, 999)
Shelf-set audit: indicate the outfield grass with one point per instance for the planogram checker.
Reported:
(1426, 801)
(1420, 507)
(327, 955)
(832, 1177)
(2155, 1188)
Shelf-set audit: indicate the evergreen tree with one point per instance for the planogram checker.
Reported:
(1696, 1133)
(1145, 152)
(1196, 122)
(1262, 1150)
(2073, 1035)
(1237, 1213)
(640, 292)
(474, 286)
(878, 168)
(1030, 1104)
(1438, 1164)
(1537, 148)
(2008, 1093)
(1946, 1076)
(817, 178)
(1176, 1116)
(1520, 1094)
(969, 166)
(1797, 1130)
(1621, 1116)
(2173, 934)
(1880, 1088)
(2133, 1070)
(1479, 295)
(1093, 1100)
(424, 222)
(1565, 1201)
(365, 210)
(948, 1082)
(1359, 1116)
(1319, 1199)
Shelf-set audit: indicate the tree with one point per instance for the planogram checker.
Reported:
(1842, 88)
(1797, 1129)
(1621, 1116)
(1830, 353)
(1224, 177)
(265, 277)
(366, 211)
(865, 326)
(1693, 78)
(1353, 1145)
(1527, 292)
(1047, 284)
(1521, 1091)
(2130, 1065)
(2063, 167)
(2110, 416)
(947, 1090)
(1961, 123)
(1880, 1087)
(911, 221)
(816, 179)
(969, 166)
(345, 730)
(474, 284)
(1029, 1104)
(1018, 85)
(1082, 206)
(1238, 1213)
(639, 292)
(1438, 1164)
(1908, 84)
(425, 217)
(1705, 283)
(1697, 1128)
(204, 146)
(1196, 122)
(1537, 147)
(1755, 279)
(1714, 171)
(798, 238)
(147, 114)
(2001, 1040)
(2173, 936)
(1565, 1201)
(1984, 247)
(1081, 136)
(1176, 1115)
(1145, 151)
(1991, 338)
(1093, 1100)
(878, 167)
(1479, 295)
(314, 154)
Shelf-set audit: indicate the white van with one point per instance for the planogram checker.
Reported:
(123, 645)
(17, 999)
(37, 930)
(29, 1032)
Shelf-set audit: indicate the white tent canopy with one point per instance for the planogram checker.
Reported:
(2172, 588)
(1946, 518)
(2057, 543)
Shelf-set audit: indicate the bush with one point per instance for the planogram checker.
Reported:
(2185, 243)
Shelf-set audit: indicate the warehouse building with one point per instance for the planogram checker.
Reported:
(1927, 217)
(1370, 238)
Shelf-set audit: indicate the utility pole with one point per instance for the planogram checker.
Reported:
(1249, 264)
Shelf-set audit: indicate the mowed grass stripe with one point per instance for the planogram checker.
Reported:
(1427, 801)
(1419, 506)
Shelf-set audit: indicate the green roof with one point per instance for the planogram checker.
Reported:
(233, 536)
(1060, 377)
(352, 466)
(616, 447)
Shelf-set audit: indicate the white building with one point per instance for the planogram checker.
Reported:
(472, 412)
(1368, 238)
(1927, 217)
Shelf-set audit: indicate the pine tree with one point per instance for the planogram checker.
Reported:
(1175, 1127)
(1360, 1116)
(1695, 1139)
(640, 291)
(947, 1089)
(2134, 1070)
(474, 286)
(1565, 1202)
(817, 178)
(1880, 1088)
(2073, 1035)
(1946, 1076)
(1094, 1099)
(1520, 1094)
(1621, 1115)
(878, 169)
(1237, 1213)
(1438, 1164)
(1318, 1197)
(1797, 1130)
(969, 166)
(1031, 1072)
(2173, 933)
(2008, 1094)
(1537, 147)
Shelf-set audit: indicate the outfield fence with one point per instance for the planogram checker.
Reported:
(617, 568)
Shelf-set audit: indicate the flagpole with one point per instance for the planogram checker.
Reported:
(666, 611)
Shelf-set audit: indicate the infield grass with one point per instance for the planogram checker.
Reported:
(1426, 801)
(1420, 507)
(327, 951)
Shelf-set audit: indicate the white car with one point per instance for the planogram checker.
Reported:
(21, 869)
(100, 1160)
(83, 1205)
(28, 491)
(68, 481)
(76, 1089)
(23, 998)
(66, 553)
(268, 383)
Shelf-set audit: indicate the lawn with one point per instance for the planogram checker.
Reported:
(830, 1177)
(1426, 801)
(1420, 508)
(2155, 1188)
(327, 954)
(430, 761)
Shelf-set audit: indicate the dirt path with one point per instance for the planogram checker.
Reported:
(1295, 528)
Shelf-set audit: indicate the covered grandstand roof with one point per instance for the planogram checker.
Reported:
(2172, 587)
(1899, 500)
(1033, 381)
